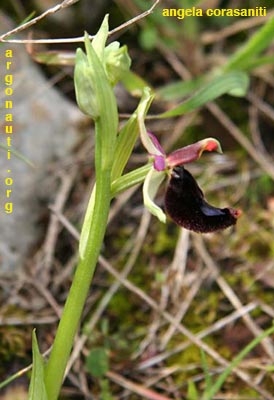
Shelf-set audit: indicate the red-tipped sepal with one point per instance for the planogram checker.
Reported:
(192, 152)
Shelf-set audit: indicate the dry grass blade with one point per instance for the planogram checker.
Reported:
(48, 296)
(194, 339)
(234, 131)
(261, 105)
(209, 330)
(51, 238)
(184, 307)
(55, 9)
(135, 388)
(231, 295)
(178, 265)
(50, 11)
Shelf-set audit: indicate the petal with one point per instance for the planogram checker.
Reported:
(151, 185)
(185, 204)
(148, 139)
(156, 142)
(192, 152)
(159, 162)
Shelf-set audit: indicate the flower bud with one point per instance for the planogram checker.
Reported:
(117, 62)
(84, 86)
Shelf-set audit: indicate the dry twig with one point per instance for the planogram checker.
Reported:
(80, 39)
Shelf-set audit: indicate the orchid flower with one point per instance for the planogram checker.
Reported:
(184, 200)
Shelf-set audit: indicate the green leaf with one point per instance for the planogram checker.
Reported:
(124, 145)
(234, 83)
(256, 44)
(83, 242)
(270, 368)
(148, 37)
(97, 362)
(178, 90)
(208, 380)
(37, 389)
(25, 20)
(258, 62)
(105, 390)
(17, 154)
(129, 134)
(150, 188)
(133, 83)
(192, 393)
(55, 57)
(99, 41)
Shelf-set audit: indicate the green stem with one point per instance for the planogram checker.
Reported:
(69, 322)
(83, 276)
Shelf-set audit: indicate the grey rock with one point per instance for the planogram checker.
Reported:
(44, 129)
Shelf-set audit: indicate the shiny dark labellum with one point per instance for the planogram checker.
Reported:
(186, 205)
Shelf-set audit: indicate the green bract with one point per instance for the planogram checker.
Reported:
(37, 389)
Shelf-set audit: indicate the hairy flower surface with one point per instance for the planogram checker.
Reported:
(187, 207)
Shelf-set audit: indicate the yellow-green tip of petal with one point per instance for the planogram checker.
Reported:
(210, 144)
